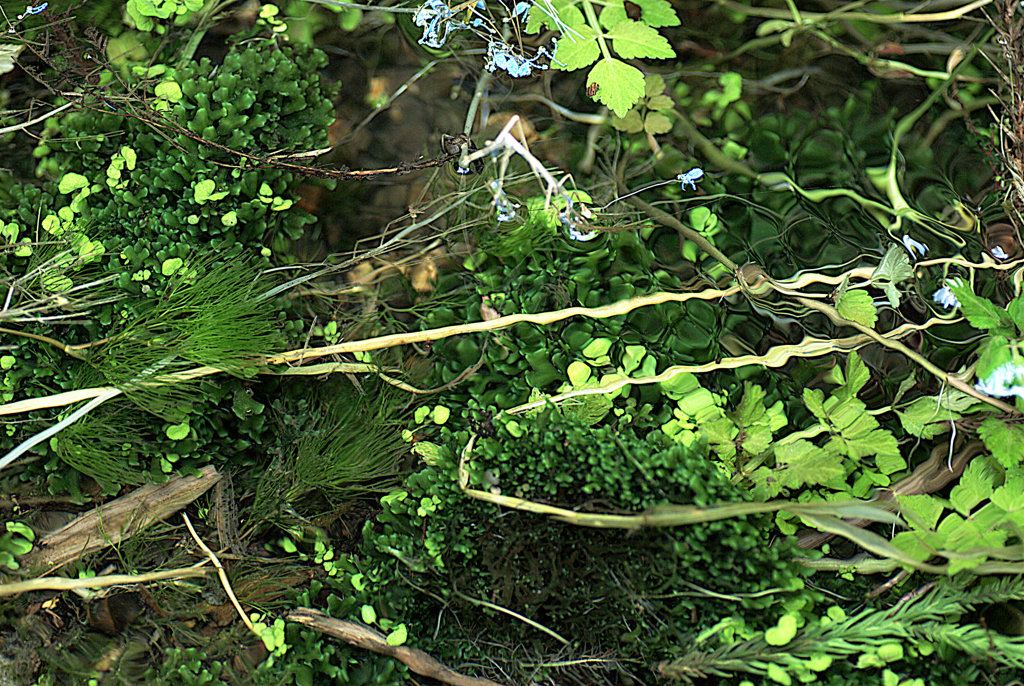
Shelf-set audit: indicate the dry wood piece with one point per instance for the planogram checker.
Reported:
(119, 519)
(364, 637)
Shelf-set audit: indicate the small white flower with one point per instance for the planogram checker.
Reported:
(913, 246)
(998, 252)
(1004, 381)
(945, 297)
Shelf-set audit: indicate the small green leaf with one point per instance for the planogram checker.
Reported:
(576, 52)
(440, 414)
(631, 39)
(620, 85)
(170, 266)
(7, 361)
(783, 632)
(660, 102)
(169, 90)
(71, 182)
(178, 432)
(368, 614)
(1003, 440)
(398, 636)
(857, 306)
(654, 85)
(204, 191)
(597, 348)
(657, 123)
(579, 373)
(657, 13)
(631, 123)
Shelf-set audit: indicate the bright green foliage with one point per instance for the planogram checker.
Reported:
(141, 211)
(143, 13)
(985, 523)
(16, 541)
(923, 637)
(620, 85)
(431, 537)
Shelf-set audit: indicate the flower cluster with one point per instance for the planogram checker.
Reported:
(1004, 381)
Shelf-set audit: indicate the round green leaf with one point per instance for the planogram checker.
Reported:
(170, 266)
(178, 432)
(398, 636)
(71, 182)
(782, 633)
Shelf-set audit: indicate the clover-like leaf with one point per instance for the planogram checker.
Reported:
(656, 123)
(631, 123)
(633, 39)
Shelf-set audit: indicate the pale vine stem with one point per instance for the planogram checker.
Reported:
(221, 574)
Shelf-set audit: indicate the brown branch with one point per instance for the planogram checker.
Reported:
(363, 636)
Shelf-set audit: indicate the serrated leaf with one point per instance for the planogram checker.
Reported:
(857, 306)
(806, 464)
(994, 352)
(924, 418)
(814, 399)
(631, 123)
(890, 463)
(1004, 441)
(923, 511)
(660, 102)
(612, 13)
(632, 39)
(751, 407)
(654, 85)
(857, 374)
(975, 486)
(621, 85)
(657, 13)
(980, 313)
(1016, 311)
(895, 266)
(566, 15)
(576, 52)
(656, 123)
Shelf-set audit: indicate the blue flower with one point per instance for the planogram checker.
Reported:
(690, 178)
(945, 297)
(500, 56)
(1004, 381)
(913, 246)
(37, 9)
(436, 19)
(998, 252)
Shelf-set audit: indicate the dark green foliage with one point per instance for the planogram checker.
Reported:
(627, 595)
(177, 231)
(351, 443)
(613, 267)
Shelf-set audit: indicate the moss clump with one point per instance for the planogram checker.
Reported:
(456, 567)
